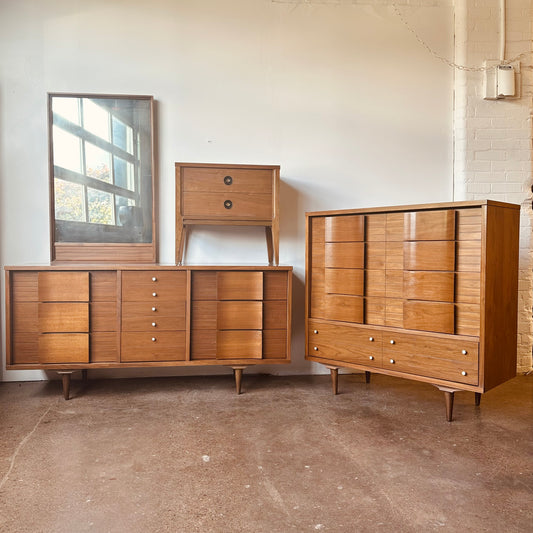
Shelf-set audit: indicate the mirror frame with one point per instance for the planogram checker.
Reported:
(112, 252)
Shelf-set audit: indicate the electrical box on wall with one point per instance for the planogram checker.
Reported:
(501, 80)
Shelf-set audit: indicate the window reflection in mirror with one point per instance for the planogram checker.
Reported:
(101, 168)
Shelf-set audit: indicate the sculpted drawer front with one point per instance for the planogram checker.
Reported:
(344, 308)
(157, 346)
(153, 286)
(439, 358)
(227, 180)
(345, 228)
(429, 316)
(429, 255)
(344, 343)
(230, 205)
(239, 285)
(160, 315)
(63, 286)
(345, 281)
(345, 255)
(64, 348)
(239, 315)
(239, 344)
(63, 317)
(429, 225)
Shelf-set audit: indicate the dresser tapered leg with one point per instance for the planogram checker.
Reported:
(84, 374)
(334, 378)
(65, 377)
(367, 376)
(477, 398)
(237, 372)
(270, 249)
(448, 398)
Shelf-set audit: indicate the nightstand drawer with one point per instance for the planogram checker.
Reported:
(230, 205)
(226, 180)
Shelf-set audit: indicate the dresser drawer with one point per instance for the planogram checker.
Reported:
(429, 225)
(439, 358)
(153, 286)
(427, 285)
(346, 228)
(343, 343)
(345, 255)
(147, 316)
(239, 344)
(227, 180)
(344, 308)
(63, 286)
(345, 281)
(239, 315)
(429, 255)
(230, 205)
(239, 285)
(64, 348)
(156, 346)
(429, 316)
(63, 317)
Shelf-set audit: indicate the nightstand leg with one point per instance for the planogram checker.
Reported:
(237, 372)
(65, 377)
(181, 237)
(268, 233)
(275, 241)
(478, 398)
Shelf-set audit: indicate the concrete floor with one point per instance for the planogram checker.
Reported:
(189, 455)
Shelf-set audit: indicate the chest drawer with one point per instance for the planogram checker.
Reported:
(230, 205)
(448, 359)
(153, 286)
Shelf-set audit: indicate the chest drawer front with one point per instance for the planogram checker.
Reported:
(343, 343)
(345, 281)
(225, 180)
(63, 317)
(344, 308)
(229, 205)
(429, 316)
(239, 315)
(239, 344)
(345, 255)
(157, 346)
(447, 359)
(346, 228)
(429, 255)
(429, 226)
(424, 285)
(64, 348)
(150, 316)
(63, 286)
(153, 286)
(239, 285)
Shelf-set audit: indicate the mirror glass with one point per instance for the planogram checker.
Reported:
(101, 171)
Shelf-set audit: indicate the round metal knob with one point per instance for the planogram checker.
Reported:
(154, 279)
(315, 331)
(153, 339)
(228, 204)
(463, 373)
(371, 339)
(154, 324)
(154, 294)
(315, 348)
(154, 309)
(228, 180)
(371, 357)
(392, 341)
(464, 352)
(392, 361)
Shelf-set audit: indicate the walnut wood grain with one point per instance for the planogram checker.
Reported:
(239, 344)
(429, 316)
(63, 317)
(345, 255)
(239, 285)
(63, 286)
(63, 348)
(345, 229)
(433, 286)
(429, 255)
(429, 225)
(345, 281)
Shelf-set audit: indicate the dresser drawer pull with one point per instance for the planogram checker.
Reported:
(371, 357)
(153, 339)
(371, 339)
(154, 324)
(228, 180)
(315, 331)
(154, 279)
(315, 348)
(154, 309)
(463, 373)
(228, 204)
(464, 352)
(392, 361)
(393, 341)
(154, 294)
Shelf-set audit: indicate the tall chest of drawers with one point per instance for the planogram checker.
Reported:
(426, 292)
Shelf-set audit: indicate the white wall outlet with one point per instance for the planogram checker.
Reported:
(500, 81)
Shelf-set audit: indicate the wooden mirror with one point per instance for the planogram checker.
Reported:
(102, 182)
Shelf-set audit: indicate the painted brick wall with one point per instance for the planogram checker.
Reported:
(493, 146)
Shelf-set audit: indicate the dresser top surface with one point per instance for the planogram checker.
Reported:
(148, 266)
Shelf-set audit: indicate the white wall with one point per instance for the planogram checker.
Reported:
(341, 95)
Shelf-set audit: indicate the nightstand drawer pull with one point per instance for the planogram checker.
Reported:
(228, 180)
(228, 204)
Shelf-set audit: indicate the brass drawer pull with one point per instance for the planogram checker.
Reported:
(228, 180)
(228, 204)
